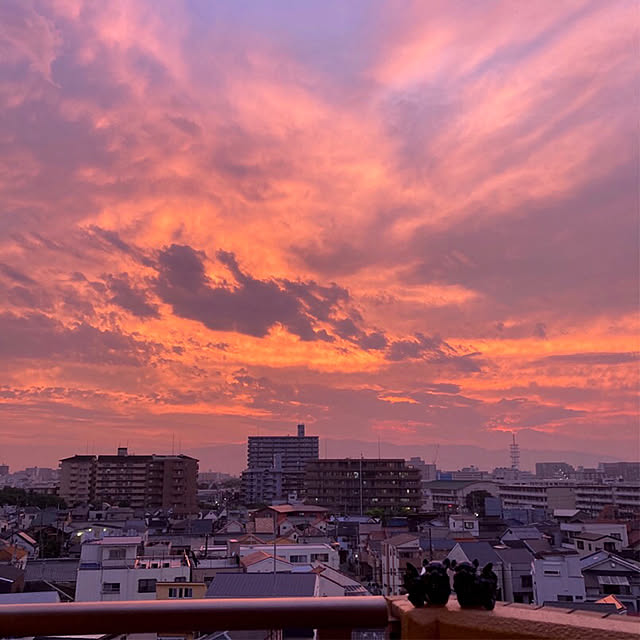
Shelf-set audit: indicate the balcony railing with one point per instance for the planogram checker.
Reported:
(337, 614)
(333, 617)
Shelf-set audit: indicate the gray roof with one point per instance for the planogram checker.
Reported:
(54, 570)
(525, 533)
(29, 597)
(483, 552)
(262, 585)
(519, 555)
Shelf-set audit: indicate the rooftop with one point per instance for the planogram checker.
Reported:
(262, 585)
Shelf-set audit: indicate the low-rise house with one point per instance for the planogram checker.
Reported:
(515, 569)
(557, 577)
(110, 569)
(336, 583)
(616, 530)
(464, 525)
(608, 574)
(25, 541)
(397, 552)
(587, 542)
(262, 562)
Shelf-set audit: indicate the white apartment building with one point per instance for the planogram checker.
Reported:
(110, 569)
(625, 496)
(557, 577)
(544, 494)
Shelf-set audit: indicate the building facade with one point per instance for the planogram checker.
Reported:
(356, 486)
(276, 466)
(450, 496)
(137, 481)
(111, 569)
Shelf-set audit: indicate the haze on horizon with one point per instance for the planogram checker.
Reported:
(418, 225)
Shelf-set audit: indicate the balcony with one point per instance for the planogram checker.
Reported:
(334, 617)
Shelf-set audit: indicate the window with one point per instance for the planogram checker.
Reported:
(609, 546)
(117, 554)
(110, 587)
(551, 572)
(298, 559)
(562, 598)
(469, 525)
(319, 557)
(147, 586)
(188, 592)
(579, 544)
(526, 581)
(180, 579)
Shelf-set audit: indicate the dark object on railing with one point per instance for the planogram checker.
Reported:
(430, 586)
(473, 589)
(207, 614)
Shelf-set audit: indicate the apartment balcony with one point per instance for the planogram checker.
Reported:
(333, 617)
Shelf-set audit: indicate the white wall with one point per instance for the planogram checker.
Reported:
(89, 582)
(569, 581)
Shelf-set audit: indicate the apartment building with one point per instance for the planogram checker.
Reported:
(590, 497)
(450, 496)
(138, 481)
(542, 494)
(624, 496)
(276, 466)
(355, 486)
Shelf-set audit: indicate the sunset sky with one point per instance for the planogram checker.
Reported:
(413, 221)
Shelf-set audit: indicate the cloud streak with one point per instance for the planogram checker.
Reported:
(416, 223)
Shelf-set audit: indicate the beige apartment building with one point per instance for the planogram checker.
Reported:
(137, 481)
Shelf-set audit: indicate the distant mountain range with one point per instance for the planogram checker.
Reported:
(231, 458)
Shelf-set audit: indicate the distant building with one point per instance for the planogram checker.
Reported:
(549, 470)
(276, 466)
(450, 496)
(358, 485)
(628, 471)
(138, 481)
(543, 494)
(4, 469)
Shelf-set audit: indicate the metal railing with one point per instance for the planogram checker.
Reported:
(75, 618)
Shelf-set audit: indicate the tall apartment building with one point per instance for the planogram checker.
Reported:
(276, 466)
(355, 486)
(145, 481)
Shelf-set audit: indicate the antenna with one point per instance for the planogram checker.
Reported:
(173, 444)
(379, 457)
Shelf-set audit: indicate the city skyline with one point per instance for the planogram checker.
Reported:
(418, 226)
